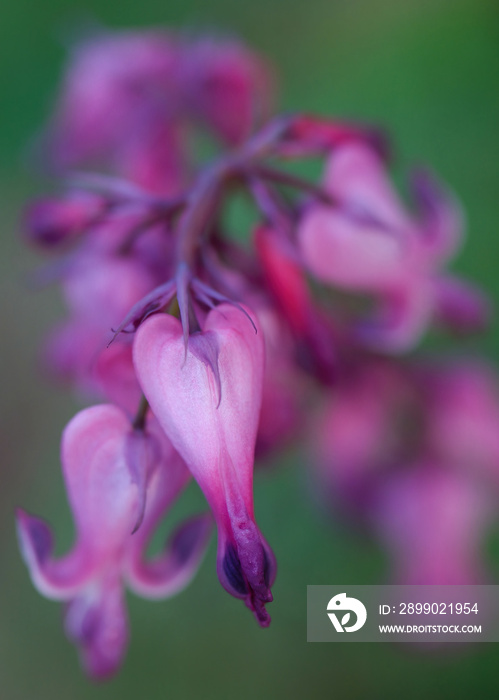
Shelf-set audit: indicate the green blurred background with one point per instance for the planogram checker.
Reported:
(429, 71)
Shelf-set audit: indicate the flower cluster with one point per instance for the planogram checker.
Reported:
(207, 350)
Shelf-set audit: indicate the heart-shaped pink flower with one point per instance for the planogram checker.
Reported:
(207, 396)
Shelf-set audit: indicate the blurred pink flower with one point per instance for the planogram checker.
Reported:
(114, 86)
(463, 418)
(227, 86)
(362, 432)
(365, 242)
(286, 280)
(120, 482)
(412, 452)
(285, 388)
(99, 290)
(432, 522)
(126, 97)
(51, 222)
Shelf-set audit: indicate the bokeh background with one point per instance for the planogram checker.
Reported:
(429, 71)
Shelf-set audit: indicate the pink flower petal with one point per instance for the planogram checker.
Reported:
(97, 622)
(105, 478)
(59, 579)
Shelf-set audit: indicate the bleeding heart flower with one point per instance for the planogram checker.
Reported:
(120, 481)
(365, 242)
(206, 395)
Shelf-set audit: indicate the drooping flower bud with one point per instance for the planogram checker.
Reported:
(50, 222)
